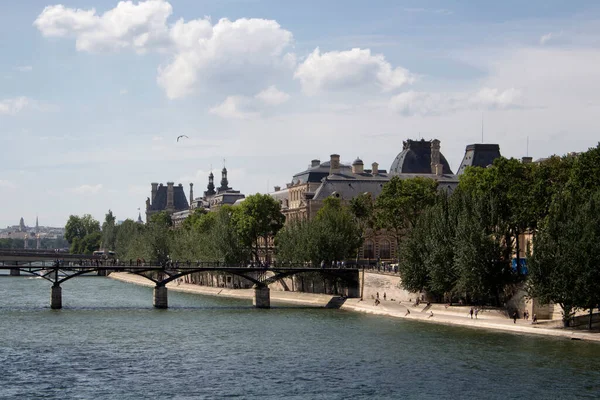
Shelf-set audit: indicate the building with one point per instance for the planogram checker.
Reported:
(303, 196)
(479, 155)
(168, 198)
(212, 199)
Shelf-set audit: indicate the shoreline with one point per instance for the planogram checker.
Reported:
(393, 309)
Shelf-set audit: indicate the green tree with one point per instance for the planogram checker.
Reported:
(158, 237)
(401, 202)
(565, 264)
(258, 218)
(109, 232)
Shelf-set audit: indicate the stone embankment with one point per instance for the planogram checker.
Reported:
(397, 304)
(305, 299)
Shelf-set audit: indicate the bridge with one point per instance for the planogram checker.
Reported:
(58, 268)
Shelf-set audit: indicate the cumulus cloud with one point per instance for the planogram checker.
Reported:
(87, 189)
(197, 49)
(24, 68)
(243, 107)
(138, 26)
(340, 70)
(236, 107)
(272, 96)
(425, 103)
(226, 50)
(14, 105)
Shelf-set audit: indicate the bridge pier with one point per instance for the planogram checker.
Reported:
(56, 297)
(15, 272)
(160, 297)
(262, 297)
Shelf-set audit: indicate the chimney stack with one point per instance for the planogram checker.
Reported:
(439, 169)
(375, 169)
(154, 190)
(191, 192)
(170, 204)
(435, 155)
(334, 164)
(357, 166)
(277, 188)
(315, 163)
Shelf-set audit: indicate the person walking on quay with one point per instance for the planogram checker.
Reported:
(407, 312)
(471, 312)
(430, 314)
(515, 316)
(384, 296)
(377, 296)
(476, 312)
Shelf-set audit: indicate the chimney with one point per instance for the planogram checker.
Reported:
(527, 160)
(170, 204)
(191, 192)
(357, 166)
(154, 190)
(435, 155)
(439, 169)
(277, 188)
(334, 164)
(315, 163)
(374, 169)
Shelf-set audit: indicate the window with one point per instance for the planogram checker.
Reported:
(369, 249)
(385, 250)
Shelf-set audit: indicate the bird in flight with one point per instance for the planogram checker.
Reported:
(181, 136)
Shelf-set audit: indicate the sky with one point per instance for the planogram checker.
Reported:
(94, 93)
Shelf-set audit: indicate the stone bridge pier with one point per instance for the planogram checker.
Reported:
(160, 297)
(262, 296)
(56, 297)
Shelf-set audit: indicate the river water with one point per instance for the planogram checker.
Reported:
(109, 343)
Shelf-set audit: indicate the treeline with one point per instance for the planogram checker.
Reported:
(462, 246)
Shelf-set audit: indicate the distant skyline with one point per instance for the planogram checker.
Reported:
(93, 94)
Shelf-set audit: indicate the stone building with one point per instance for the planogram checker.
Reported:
(168, 198)
(303, 196)
(212, 198)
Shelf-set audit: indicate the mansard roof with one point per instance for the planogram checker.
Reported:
(415, 158)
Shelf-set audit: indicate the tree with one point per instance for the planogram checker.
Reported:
(362, 208)
(109, 231)
(258, 217)
(158, 237)
(401, 202)
(565, 264)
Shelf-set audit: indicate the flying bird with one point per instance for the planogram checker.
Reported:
(180, 136)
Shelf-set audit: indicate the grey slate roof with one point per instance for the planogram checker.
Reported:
(159, 202)
(347, 186)
(316, 174)
(415, 158)
(479, 155)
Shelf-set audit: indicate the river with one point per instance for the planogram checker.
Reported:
(109, 343)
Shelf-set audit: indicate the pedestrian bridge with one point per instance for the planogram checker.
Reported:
(58, 268)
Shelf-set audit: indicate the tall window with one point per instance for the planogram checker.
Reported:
(385, 250)
(369, 250)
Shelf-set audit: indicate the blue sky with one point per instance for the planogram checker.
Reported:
(94, 93)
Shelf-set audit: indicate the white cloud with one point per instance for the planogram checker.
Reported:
(545, 38)
(341, 70)
(87, 189)
(14, 105)
(244, 107)
(229, 50)
(236, 107)
(138, 26)
(198, 51)
(425, 103)
(123, 92)
(272, 96)
(24, 68)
